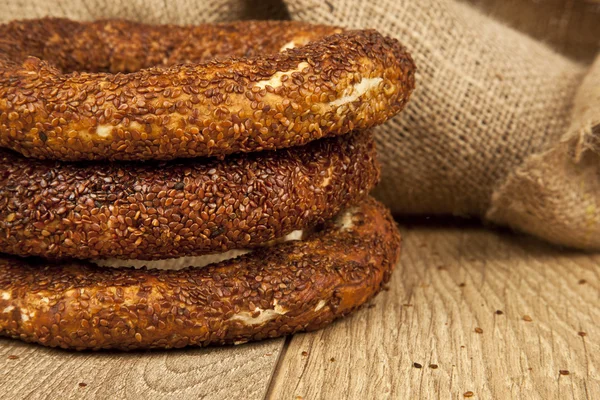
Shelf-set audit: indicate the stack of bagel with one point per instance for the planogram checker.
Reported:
(164, 186)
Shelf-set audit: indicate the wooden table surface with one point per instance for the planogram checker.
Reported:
(469, 312)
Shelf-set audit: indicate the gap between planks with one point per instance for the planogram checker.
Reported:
(470, 313)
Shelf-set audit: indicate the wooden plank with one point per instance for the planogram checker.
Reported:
(213, 373)
(450, 282)
(469, 313)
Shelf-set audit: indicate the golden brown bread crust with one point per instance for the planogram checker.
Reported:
(126, 46)
(179, 208)
(260, 100)
(294, 286)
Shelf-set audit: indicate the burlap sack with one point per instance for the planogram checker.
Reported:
(570, 26)
(501, 126)
(181, 12)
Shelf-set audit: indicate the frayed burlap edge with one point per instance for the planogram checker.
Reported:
(556, 194)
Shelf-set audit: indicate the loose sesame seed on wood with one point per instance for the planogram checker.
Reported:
(156, 210)
(127, 91)
(290, 287)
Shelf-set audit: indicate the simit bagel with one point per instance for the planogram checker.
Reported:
(179, 208)
(290, 287)
(58, 100)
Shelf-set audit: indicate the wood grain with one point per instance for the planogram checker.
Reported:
(442, 308)
(216, 373)
(468, 311)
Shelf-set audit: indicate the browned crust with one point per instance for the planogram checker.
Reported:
(215, 107)
(302, 285)
(126, 46)
(178, 208)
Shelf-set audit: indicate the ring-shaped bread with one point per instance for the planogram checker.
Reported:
(128, 91)
(157, 210)
(289, 287)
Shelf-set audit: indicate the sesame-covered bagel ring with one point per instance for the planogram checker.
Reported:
(158, 210)
(58, 101)
(293, 286)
